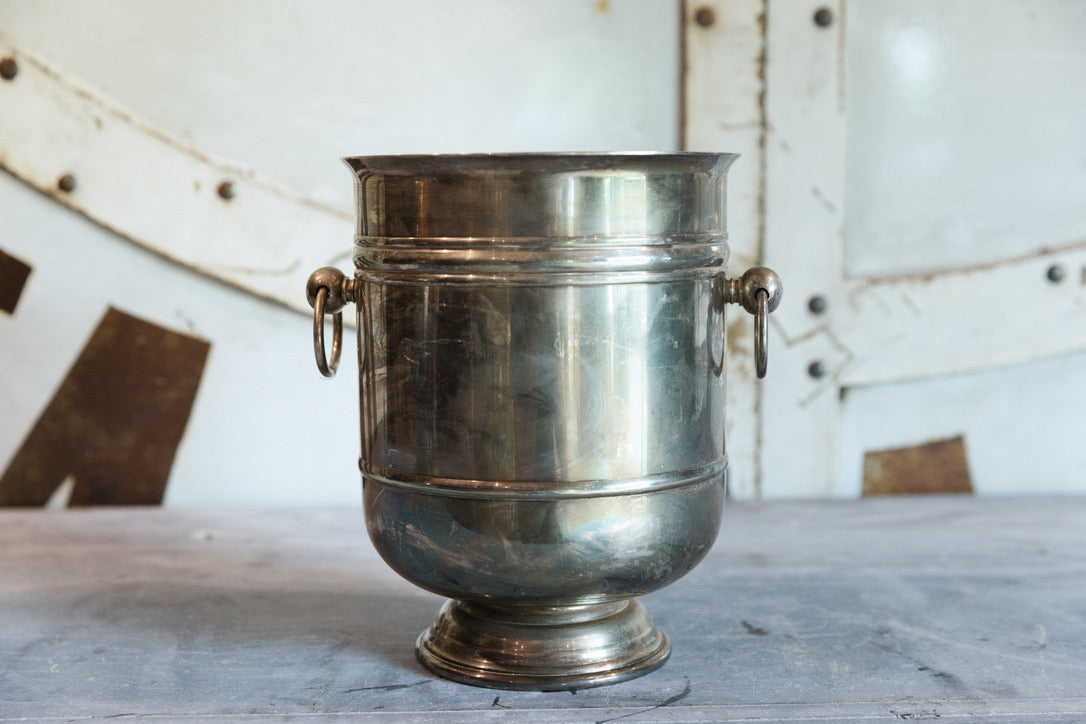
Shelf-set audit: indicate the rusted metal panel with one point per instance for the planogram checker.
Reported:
(115, 421)
(939, 466)
(13, 276)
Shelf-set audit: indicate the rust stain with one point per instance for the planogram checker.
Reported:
(603, 6)
(939, 466)
(739, 332)
(763, 167)
(928, 277)
(115, 421)
(763, 121)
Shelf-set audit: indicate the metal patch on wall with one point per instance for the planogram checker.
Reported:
(13, 276)
(939, 466)
(116, 420)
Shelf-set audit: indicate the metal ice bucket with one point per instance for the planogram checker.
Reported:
(541, 351)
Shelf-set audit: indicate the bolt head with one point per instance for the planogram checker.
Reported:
(66, 183)
(1055, 273)
(816, 369)
(226, 190)
(9, 68)
(823, 17)
(705, 16)
(817, 304)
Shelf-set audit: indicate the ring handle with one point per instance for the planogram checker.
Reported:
(761, 332)
(759, 292)
(328, 369)
(328, 291)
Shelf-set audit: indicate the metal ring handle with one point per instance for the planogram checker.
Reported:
(761, 332)
(327, 369)
(759, 292)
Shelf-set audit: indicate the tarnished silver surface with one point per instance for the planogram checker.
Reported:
(555, 649)
(328, 291)
(541, 350)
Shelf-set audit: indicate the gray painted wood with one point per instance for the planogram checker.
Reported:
(891, 609)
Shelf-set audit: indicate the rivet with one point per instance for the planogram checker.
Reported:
(66, 183)
(226, 190)
(817, 304)
(1055, 273)
(8, 68)
(823, 17)
(705, 17)
(816, 369)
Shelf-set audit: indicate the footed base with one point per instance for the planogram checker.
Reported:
(542, 648)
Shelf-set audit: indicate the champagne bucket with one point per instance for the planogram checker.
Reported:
(541, 343)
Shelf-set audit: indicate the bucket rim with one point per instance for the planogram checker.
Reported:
(535, 162)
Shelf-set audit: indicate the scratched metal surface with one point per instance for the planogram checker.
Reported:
(881, 609)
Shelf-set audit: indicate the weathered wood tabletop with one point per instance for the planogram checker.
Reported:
(956, 608)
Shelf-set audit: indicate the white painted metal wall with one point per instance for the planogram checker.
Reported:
(966, 151)
(151, 104)
(923, 171)
(920, 165)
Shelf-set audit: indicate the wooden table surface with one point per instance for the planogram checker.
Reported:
(956, 608)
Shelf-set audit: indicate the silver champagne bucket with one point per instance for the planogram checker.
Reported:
(542, 360)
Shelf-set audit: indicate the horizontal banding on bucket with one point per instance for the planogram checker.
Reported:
(496, 261)
(523, 490)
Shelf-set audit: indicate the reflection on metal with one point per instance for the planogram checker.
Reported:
(541, 342)
(156, 190)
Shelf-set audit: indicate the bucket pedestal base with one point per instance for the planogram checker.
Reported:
(542, 648)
